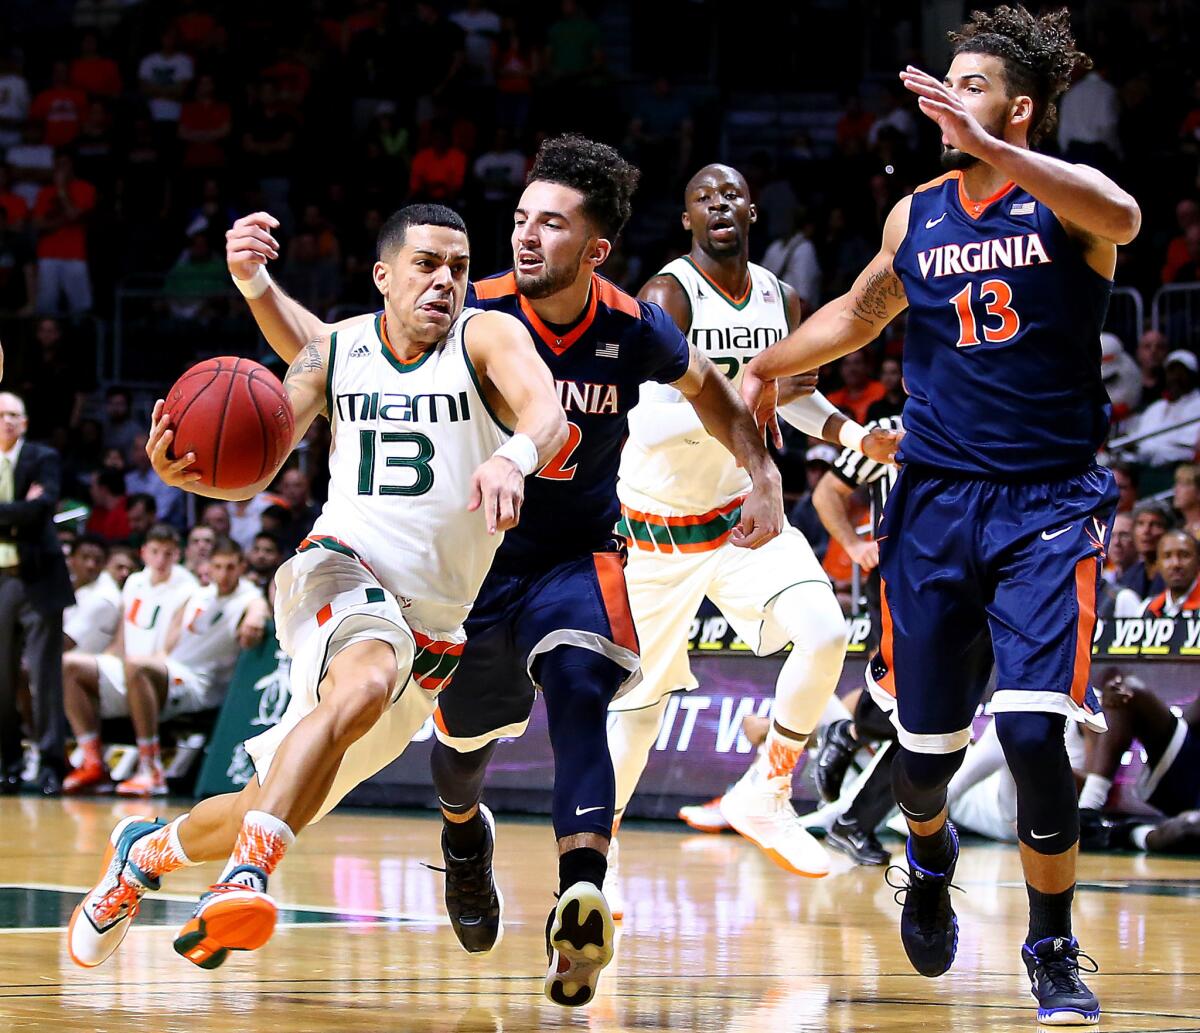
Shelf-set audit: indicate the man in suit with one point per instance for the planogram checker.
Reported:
(34, 589)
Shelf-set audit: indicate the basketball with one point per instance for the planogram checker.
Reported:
(234, 414)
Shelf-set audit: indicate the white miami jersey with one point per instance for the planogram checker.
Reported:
(92, 621)
(208, 644)
(695, 473)
(148, 609)
(406, 440)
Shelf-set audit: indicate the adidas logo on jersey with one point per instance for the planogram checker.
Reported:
(981, 256)
(359, 350)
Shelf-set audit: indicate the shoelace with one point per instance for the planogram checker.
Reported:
(469, 882)
(1063, 972)
(109, 906)
(930, 903)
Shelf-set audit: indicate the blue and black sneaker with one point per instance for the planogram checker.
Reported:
(928, 925)
(1063, 998)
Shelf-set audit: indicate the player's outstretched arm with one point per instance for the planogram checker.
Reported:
(837, 327)
(1083, 198)
(518, 387)
(304, 383)
(286, 324)
(727, 419)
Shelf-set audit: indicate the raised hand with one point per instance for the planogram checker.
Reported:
(959, 127)
(249, 243)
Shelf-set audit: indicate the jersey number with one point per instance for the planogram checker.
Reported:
(999, 307)
(727, 364)
(418, 463)
(557, 469)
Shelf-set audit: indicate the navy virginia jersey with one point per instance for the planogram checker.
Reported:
(1002, 350)
(599, 364)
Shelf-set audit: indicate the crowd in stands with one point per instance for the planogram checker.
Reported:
(132, 134)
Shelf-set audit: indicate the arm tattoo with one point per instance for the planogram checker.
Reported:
(308, 361)
(882, 287)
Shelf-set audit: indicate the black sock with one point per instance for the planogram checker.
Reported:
(583, 864)
(934, 853)
(1049, 914)
(465, 838)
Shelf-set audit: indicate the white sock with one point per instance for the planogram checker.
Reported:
(270, 827)
(1138, 834)
(1095, 793)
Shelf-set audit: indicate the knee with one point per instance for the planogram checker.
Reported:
(923, 774)
(815, 624)
(1032, 742)
(580, 679)
(359, 699)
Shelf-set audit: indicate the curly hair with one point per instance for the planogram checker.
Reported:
(1038, 51)
(606, 180)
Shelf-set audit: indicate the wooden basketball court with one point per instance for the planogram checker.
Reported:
(715, 938)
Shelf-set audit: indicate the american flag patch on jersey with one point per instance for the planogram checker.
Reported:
(1024, 208)
(607, 351)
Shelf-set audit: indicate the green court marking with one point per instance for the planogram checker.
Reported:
(1147, 887)
(39, 907)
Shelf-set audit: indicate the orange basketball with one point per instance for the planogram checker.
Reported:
(235, 416)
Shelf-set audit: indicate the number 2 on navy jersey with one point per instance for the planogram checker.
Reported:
(996, 296)
(557, 469)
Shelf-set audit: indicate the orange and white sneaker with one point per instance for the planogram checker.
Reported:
(704, 817)
(234, 915)
(102, 918)
(760, 808)
(88, 778)
(144, 783)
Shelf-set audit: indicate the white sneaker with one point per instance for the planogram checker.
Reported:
(612, 882)
(760, 808)
(101, 920)
(704, 817)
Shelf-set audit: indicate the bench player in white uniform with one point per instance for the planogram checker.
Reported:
(94, 684)
(680, 491)
(192, 671)
(423, 478)
(90, 625)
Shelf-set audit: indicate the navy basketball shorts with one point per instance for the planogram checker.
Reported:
(518, 618)
(978, 573)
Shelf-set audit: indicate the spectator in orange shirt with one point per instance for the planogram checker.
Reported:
(108, 518)
(1187, 215)
(438, 171)
(96, 75)
(60, 108)
(60, 219)
(204, 126)
(859, 389)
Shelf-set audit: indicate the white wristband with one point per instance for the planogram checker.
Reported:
(851, 435)
(256, 286)
(520, 450)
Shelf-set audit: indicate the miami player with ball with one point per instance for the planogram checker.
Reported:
(424, 477)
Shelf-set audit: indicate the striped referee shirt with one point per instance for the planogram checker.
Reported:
(856, 470)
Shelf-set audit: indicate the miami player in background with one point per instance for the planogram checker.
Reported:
(681, 494)
(553, 613)
(1000, 516)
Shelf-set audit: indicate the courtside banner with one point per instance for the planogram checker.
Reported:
(258, 695)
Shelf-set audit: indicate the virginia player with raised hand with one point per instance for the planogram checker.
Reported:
(554, 613)
(1000, 516)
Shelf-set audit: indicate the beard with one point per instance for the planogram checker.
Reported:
(551, 280)
(955, 160)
